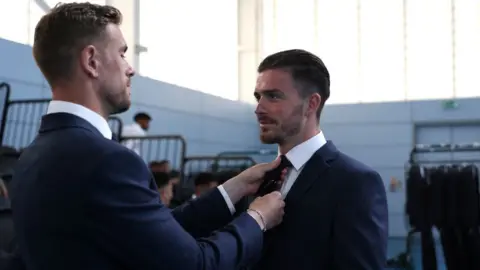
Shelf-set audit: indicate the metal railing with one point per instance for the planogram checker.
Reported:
(262, 155)
(21, 121)
(5, 94)
(159, 147)
(196, 164)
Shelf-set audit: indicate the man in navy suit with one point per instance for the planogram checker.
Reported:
(83, 201)
(336, 209)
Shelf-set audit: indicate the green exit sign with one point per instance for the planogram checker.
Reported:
(450, 104)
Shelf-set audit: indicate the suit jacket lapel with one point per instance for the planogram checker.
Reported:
(312, 171)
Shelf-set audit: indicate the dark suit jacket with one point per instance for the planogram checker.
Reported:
(86, 202)
(335, 218)
(11, 261)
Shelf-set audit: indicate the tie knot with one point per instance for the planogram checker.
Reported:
(284, 163)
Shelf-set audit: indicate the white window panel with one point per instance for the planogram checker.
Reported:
(382, 51)
(467, 48)
(429, 49)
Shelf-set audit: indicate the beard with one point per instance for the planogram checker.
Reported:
(278, 133)
(117, 103)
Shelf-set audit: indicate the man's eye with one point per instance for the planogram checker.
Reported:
(274, 96)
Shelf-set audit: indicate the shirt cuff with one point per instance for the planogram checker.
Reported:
(227, 199)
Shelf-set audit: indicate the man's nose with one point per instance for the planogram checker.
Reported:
(132, 72)
(260, 107)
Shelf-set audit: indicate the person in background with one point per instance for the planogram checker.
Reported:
(138, 129)
(223, 176)
(336, 214)
(174, 177)
(204, 182)
(164, 187)
(160, 166)
(181, 193)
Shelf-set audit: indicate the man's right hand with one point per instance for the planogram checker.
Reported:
(268, 210)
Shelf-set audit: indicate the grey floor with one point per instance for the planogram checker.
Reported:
(397, 245)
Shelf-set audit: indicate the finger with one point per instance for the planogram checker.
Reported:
(272, 165)
(276, 194)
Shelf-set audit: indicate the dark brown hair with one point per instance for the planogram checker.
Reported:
(64, 31)
(307, 70)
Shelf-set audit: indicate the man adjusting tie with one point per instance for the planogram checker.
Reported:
(86, 202)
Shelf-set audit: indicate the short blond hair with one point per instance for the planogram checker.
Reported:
(64, 31)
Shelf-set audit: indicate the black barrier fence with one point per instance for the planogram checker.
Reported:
(263, 155)
(5, 97)
(116, 125)
(157, 148)
(196, 164)
(22, 121)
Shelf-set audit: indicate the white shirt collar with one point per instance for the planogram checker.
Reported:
(300, 154)
(96, 120)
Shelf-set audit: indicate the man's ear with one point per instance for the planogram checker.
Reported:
(314, 103)
(89, 61)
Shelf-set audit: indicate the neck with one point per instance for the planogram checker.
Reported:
(83, 98)
(301, 137)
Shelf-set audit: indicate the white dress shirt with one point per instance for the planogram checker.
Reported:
(298, 156)
(96, 120)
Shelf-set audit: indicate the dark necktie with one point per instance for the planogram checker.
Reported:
(272, 180)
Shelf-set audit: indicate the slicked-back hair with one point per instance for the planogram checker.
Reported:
(308, 71)
(63, 32)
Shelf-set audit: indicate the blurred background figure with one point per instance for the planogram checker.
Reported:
(160, 166)
(138, 129)
(164, 186)
(174, 177)
(204, 182)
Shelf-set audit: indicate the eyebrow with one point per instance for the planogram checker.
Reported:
(267, 91)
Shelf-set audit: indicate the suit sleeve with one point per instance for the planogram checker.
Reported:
(129, 221)
(361, 225)
(11, 261)
(203, 215)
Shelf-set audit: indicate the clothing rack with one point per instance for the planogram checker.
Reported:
(426, 206)
(443, 148)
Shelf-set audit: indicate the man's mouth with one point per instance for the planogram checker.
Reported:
(266, 122)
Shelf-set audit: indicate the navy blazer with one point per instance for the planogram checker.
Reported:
(336, 218)
(82, 201)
